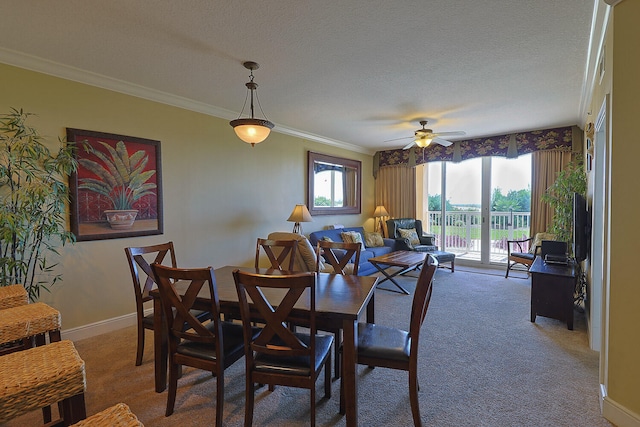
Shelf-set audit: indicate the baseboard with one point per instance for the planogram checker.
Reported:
(616, 413)
(101, 327)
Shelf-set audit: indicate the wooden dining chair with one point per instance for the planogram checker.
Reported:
(394, 348)
(278, 355)
(344, 258)
(286, 247)
(140, 260)
(213, 346)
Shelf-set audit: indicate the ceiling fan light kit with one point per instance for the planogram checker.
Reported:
(251, 130)
(424, 137)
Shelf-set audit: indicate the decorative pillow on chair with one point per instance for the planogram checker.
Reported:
(410, 234)
(537, 240)
(373, 239)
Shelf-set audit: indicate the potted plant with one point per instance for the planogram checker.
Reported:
(33, 198)
(121, 179)
(559, 196)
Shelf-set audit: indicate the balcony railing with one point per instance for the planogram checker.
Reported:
(463, 231)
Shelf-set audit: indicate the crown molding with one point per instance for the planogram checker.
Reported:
(55, 69)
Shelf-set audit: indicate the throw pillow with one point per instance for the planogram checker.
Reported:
(409, 234)
(373, 239)
(537, 240)
(352, 237)
(327, 239)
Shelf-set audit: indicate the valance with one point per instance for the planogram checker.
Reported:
(560, 139)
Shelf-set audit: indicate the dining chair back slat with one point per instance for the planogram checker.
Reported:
(347, 254)
(277, 259)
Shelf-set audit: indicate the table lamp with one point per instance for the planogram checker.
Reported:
(300, 214)
(379, 213)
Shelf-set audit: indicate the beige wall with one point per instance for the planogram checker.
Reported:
(621, 351)
(220, 194)
(624, 333)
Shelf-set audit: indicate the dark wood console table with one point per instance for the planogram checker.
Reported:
(552, 288)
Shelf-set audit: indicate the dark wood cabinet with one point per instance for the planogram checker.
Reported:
(552, 288)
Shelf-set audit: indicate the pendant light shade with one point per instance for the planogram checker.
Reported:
(251, 130)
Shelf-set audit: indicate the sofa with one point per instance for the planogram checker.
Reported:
(365, 267)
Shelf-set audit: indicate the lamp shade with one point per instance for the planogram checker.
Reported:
(380, 211)
(423, 141)
(300, 214)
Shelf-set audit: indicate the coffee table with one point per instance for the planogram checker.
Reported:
(406, 260)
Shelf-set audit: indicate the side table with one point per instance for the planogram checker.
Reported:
(552, 288)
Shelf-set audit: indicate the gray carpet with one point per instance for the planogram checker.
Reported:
(483, 363)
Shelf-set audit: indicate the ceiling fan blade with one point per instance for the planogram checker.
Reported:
(398, 139)
(442, 142)
(459, 132)
(409, 145)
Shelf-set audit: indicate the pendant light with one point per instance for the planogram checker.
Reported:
(251, 130)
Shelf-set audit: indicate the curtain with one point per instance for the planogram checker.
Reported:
(349, 186)
(544, 170)
(396, 191)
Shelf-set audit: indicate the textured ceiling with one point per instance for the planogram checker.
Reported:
(358, 72)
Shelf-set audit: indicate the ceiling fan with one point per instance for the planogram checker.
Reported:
(423, 137)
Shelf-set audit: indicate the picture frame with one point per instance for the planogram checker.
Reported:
(589, 159)
(116, 191)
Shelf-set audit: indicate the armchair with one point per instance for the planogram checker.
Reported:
(524, 251)
(420, 242)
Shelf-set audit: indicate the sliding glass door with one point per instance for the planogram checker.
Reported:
(476, 205)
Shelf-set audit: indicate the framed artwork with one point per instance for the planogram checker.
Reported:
(589, 154)
(117, 189)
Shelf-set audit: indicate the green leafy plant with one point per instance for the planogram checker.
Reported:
(123, 179)
(559, 196)
(33, 198)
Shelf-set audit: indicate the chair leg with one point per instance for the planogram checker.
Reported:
(327, 378)
(173, 387)
(506, 276)
(249, 400)
(413, 397)
(312, 391)
(336, 357)
(74, 409)
(342, 404)
(140, 348)
(219, 396)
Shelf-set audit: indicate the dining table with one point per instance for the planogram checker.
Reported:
(341, 300)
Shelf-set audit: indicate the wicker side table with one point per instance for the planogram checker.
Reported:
(40, 377)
